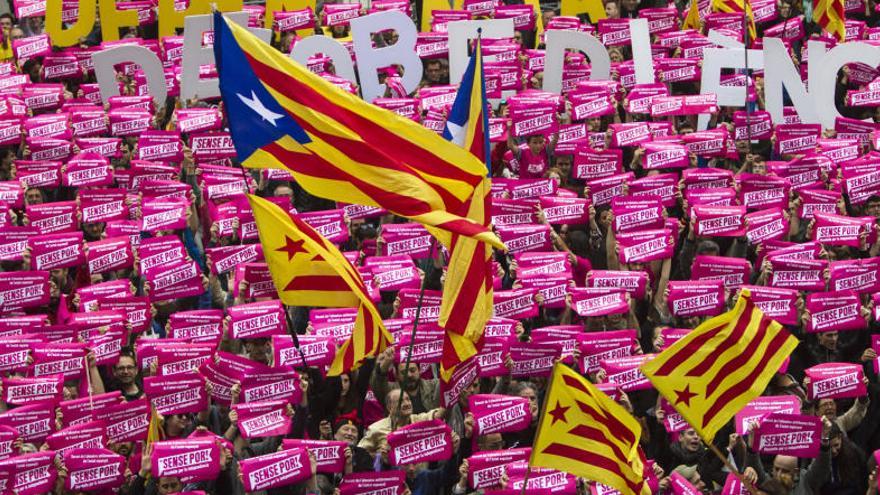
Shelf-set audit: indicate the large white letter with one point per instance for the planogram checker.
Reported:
(327, 46)
(643, 61)
(461, 32)
(823, 69)
(194, 55)
(780, 72)
(560, 40)
(370, 59)
(143, 57)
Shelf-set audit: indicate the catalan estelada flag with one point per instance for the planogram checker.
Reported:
(693, 19)
(336, 145)
(737, 7)
(308, 270)
(584, 432)
(467, 294)
(716, 369)
(830, 14)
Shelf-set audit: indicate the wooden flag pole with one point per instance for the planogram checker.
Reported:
(732, 469)
(412, 337)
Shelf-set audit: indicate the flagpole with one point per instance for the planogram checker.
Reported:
(746, 36)
(412, 337)
(732, 469)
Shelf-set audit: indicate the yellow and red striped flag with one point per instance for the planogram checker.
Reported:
(737, 7)
(584, 432)
(715, 370)
(693, 20)
(336, 145)
(467, 294)
(308, 270)
(830, 14)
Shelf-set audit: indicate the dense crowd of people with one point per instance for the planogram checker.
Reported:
(131, 272)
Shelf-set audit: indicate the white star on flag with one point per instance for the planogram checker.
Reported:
(257, 106)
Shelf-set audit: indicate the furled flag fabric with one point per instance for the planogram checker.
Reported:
(308, 270)
(467, 298)
(737, 7)
(830, 14)
(336, 145)
(715, 370)
(585, 433)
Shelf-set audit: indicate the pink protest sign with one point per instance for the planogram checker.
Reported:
(633, 282)
(109, 255)
(592, 164)
(818, 201)
(163, 214)
(259, 319)
(499, 413)
(93, 469)
(89, 435)
(33, 423)
(534, 358)
(719, 221)
(485, 469)
(804, 274)
(760, 191)
(778, 304)
(177, 394)
(696, 298)
(103, 205)
(591, 301)
(294, 20)
(559, 211)
(31, 474)
(629, 134)
(427, 348)
(530, 119)
(839, 230)
(645, 245)
(733, 272)
(14, 240)
(424, 441)
(127, 421)
(57, 251)
(23, 391)
(224, 258)
(7, 439)
(406, 238)
(835, 311)
(522, 238)
(156, 145)
(176, 280)
(157, 253)
(279, 382)
(329, 454)
(515, 304)
(662, 155)
(176, 359)
(860, 275)
(625, 373)
(789, 434)
(836, 380)
(662, 106)
(53, 359)
(315, 350)
(462, 377)
(263, 419)
(490, 360)
(796, 138)
(53, 217)
(760, 407)
(598, 346)
(553, 289)
(196, 459)
(708, 143)
(542, 263)
(756, 125)
(513, 211)
(766, 225)
(637, 213)
(15, 353)
(390, 482)
(78, 411)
